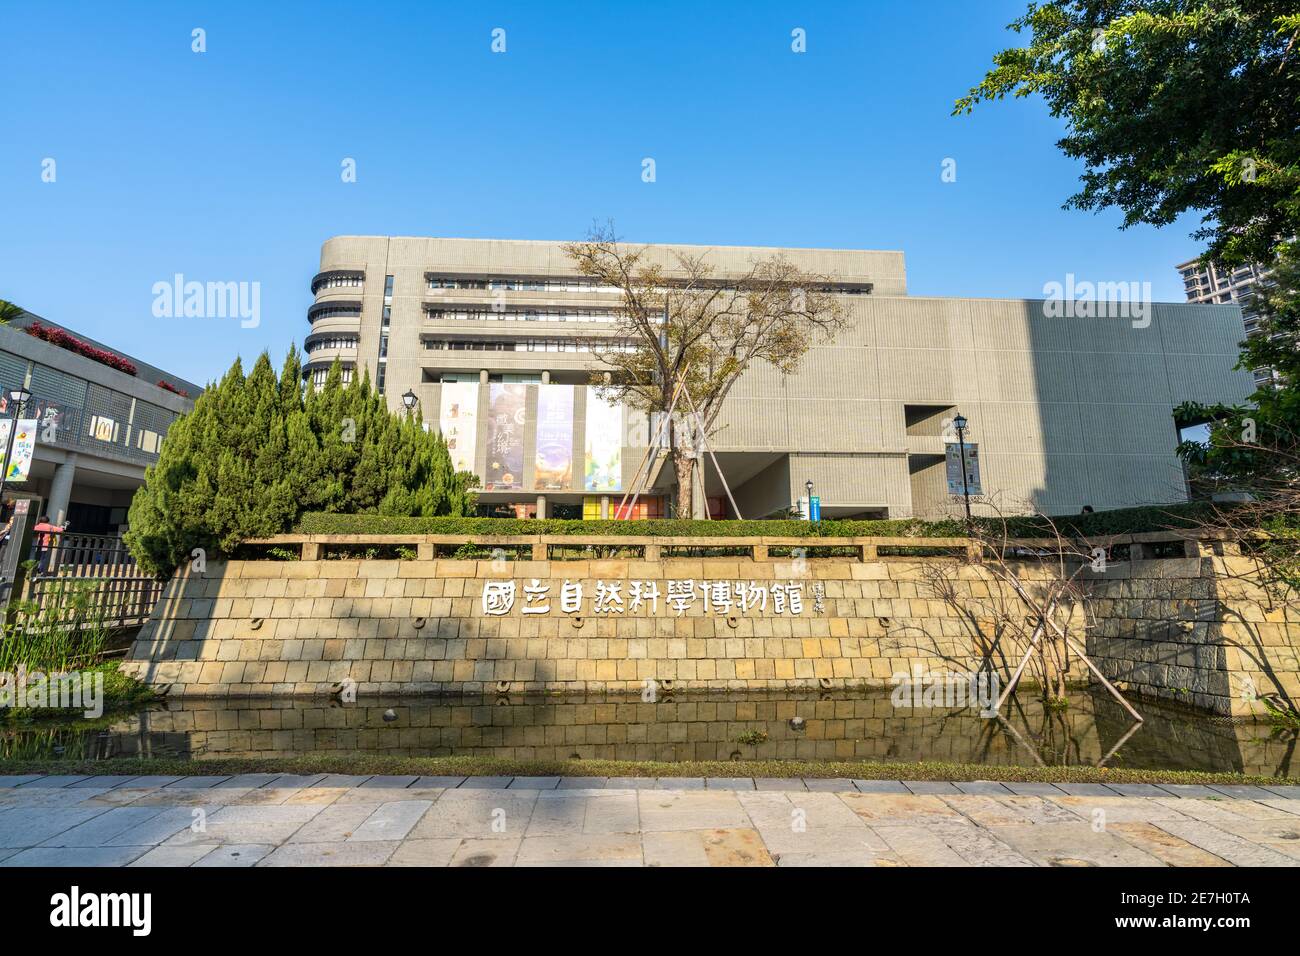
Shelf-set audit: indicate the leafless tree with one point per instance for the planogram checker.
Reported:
(1039, 602)
(681, 323)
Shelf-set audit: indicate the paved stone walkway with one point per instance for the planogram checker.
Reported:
(332, 820)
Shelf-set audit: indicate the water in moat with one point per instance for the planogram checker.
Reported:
(864, 725)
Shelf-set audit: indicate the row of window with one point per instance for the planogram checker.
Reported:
(334, 280)
(318, 376)
(332, 342)
(521, 315)
(518, 285)
(524, 345)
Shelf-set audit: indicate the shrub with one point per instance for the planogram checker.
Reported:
(256, 452)
(1122, 521)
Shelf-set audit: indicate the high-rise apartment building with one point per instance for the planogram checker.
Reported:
(494, 337)
(1208, 284)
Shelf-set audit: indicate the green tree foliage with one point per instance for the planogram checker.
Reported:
(1194, 105)
(259, 450)
(1172, 105)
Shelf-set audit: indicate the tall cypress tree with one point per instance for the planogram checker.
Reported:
(256, 452)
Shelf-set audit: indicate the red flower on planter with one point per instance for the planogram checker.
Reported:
(73, 344)
(169, 387)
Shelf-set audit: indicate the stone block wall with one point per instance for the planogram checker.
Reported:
(1169, 628)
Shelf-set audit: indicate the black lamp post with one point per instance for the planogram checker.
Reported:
(808, 485)
(18, 397)
(409, 399)
(960, 424)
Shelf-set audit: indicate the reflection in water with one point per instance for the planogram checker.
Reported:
(749, 725)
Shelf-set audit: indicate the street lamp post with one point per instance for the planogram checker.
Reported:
(409, 399)
(18, 397)
(808, 486)
(960, 424)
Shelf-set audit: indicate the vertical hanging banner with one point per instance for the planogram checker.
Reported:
(553, 466)
(20, 458)
(604, 444)
(954, 469)
(505, 458)
(458, 422)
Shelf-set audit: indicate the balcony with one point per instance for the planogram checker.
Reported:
(338, 280)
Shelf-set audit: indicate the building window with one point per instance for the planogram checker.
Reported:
(336, 280)
(332, 342)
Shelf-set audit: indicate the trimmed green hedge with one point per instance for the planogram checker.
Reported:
(1121, 521)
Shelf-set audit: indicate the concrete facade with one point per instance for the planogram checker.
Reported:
(108, 426)
(1067, 412)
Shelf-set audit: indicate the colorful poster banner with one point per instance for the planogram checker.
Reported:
(553, 463)
(604, 444)
(458, 421)
(505, 459)
(20, 458)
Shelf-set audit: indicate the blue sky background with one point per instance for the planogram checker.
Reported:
(225, 166)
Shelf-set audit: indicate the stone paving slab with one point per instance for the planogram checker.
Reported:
(18, 780)
(1189, 790)
(1034, 789)
(880, 786)
(398, 782)
(982, 788)
(197, 783)
(930, 786)
(98, 783)
(1137, 790)
(344, 820)
(830, 784)
(446, 783)
(54, 781)
(1242, 792)
(1086, 789)
(249, 780)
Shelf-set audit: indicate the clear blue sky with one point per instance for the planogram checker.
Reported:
(225, 166)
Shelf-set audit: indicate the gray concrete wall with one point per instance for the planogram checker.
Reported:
(1067, 412)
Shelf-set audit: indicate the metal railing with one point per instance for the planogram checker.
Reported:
(118, 589)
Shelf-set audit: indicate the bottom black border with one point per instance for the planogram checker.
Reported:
(338, 905)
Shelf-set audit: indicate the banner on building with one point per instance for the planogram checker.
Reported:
(553, 463)
(604, 444)
(505, 458)
(458, 421)
(20, 458)
(954, 463)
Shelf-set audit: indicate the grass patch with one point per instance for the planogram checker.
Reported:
(121, 692)
(497, 767)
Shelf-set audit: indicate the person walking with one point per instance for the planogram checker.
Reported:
(46, 536)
